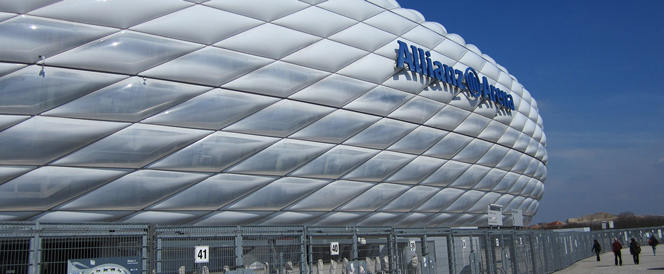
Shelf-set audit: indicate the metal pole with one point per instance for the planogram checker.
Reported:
(452, 254)
(282, 269)
(311, 253)
(159, 256)
(489, 253)
(353, 260)
(514, 255)
(35, 251)
(151, 247)
(303, 251)
(474, 269)
(533, 250)
(392, 247)
(239, 252)
(425, 253)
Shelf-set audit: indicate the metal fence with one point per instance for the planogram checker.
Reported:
(32, 248)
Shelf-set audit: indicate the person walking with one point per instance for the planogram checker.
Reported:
(653, 242)
(616, 251)
(635, 250)
(597, 248)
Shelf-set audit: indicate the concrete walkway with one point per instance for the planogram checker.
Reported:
(647, 263)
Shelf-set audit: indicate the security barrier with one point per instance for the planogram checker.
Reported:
(27, 247)
(47, 248)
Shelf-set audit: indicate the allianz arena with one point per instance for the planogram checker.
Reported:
(222, 112)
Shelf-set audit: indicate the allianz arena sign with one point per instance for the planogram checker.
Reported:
(419, 60)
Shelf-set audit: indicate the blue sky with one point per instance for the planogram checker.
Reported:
(596, 70)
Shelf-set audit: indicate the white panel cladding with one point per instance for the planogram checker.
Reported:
(358, 10)
(416, 170)
(10, 120)
(199, 24)
(424, 37)
(26, 91)
(379, 101)
(391, 23)
(41, 139)
(336, 127)
(364, 37)
(371, 68)
(26, 38)
(331, 196)
(277, 79)
(208, 66)
(125, 52)
(417, 110)
(259, 9)
(268, 40)
(215, 152)
(252, 112)
(130, 100)
(24, 6)
(132, 147)
(336, 162)
(315, 21)
(126, 13)
(325, 55)
(213, 192)
(214, 109)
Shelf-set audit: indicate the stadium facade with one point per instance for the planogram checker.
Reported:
(222, 112)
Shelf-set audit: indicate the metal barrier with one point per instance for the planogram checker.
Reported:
(47, 248)
(27, 247)
(230, 250)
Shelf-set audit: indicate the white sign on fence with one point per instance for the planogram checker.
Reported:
(334, 248)
(202, 254)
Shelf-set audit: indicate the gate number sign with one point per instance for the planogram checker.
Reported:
(202, 254)
(334, 248)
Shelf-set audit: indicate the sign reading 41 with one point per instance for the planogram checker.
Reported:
(202, 254)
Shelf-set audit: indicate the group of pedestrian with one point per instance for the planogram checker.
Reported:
(634, 249)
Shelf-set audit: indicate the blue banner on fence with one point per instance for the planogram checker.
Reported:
(117, 265)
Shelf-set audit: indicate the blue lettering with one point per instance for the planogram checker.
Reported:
(404, 56)
(492, 93)
(510, 102)
(416, 62)
(500, 96)
(449, 75)
(423, 62)
(472, 82)
(486, 90)
(429, 66)
(459, 79)
(439, 72)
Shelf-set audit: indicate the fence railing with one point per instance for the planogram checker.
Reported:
(33, 248)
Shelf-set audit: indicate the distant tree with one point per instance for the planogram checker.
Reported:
(623, 220)
(649, 221)
(629, 220)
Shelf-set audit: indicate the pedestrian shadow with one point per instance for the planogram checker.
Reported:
(659, 268)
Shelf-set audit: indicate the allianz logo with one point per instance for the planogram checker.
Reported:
(419, 61)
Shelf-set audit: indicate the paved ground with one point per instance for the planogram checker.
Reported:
(648, 263)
